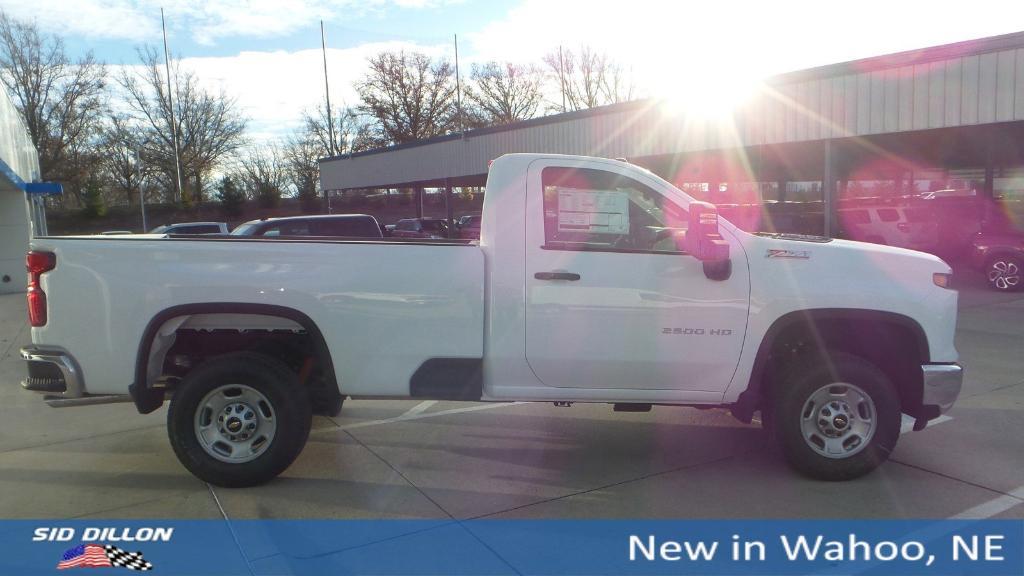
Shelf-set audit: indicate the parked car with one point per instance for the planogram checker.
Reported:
(389, 230)
(603, 283)
(192, 228)
(469, 227)
(903, 226)
(336, 225)
(421, 228)
(1000, 255)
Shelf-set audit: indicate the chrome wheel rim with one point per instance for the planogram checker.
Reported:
(838, 420)
(1004, 274)
(235, 423)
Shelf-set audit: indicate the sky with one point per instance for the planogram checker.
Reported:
(266, 53)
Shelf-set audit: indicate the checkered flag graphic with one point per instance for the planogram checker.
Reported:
(129, 560)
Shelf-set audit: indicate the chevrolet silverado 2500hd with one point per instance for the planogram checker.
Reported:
(593, 281)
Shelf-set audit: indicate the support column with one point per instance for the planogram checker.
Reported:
(449, 205)
(988, 190)
(828, 191)
(418, 195)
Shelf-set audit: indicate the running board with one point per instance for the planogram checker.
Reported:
(62, 402)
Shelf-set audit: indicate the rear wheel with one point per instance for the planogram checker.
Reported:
(239, 419)
(1004, 273)
(836, 417)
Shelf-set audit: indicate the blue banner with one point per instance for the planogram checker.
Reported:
(528, 547)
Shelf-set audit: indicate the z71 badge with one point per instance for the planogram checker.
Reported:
(778, 253)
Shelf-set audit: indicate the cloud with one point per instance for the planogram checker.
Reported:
(117, 19)
(204, 21)
(273, 88)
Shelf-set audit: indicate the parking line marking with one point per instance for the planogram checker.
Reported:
(907, 424)
(421, 407)
(420, 416)
(992, 507)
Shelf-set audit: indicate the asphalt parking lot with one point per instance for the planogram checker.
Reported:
(410, 459)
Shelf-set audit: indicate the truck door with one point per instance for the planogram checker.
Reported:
(612, 303)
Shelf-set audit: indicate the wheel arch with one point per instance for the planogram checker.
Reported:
(821, 324)
(147, 398)
(1002, 252)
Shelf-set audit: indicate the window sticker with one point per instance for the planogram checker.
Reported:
(593, 211)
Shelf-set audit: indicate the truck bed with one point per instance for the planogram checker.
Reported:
(384, 307)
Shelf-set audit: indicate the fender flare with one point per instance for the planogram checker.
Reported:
(749, 400)
(148, 399)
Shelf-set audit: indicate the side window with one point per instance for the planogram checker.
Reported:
(588, 209)
(344, 227)
(200, 229)
(855, 216)
(888, 214)
(287, 229)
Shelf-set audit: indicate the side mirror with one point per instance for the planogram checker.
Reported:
(703, 240)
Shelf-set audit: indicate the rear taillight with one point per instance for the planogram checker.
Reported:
(37, 263)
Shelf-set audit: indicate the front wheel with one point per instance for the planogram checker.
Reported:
(837, 417)
(239, 419)
(1004, 273)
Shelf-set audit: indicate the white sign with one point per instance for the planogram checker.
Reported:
(593, 211)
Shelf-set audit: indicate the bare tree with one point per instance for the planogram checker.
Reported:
(120, 157)
(350, 134)
(301, 155)
(263, 173)
(209, 125)
(505, 93)
(60, 101)
(587, 79)
(408, 96)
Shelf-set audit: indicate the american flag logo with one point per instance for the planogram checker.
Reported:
(100, 556)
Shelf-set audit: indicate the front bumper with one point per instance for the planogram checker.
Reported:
(942, 383)
(55, 374)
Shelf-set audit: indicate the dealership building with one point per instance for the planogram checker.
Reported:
(22, 212)
(920, 148)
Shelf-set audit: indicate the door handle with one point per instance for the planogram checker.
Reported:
(570, 276)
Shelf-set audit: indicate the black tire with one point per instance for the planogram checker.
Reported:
(288, 404)
(331, 406)
(792, 394)
(1005, 273)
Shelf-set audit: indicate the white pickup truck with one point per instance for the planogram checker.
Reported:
(593, 281)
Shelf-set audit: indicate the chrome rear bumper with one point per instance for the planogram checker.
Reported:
(55, 374)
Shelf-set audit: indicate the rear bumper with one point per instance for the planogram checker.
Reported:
(942, 384)
(55, 374)
(52, 372)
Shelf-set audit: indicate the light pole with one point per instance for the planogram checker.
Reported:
(142, 190)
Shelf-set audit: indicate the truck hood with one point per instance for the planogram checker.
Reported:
(845, 256)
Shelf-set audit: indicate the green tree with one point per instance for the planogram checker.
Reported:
(232, 198)
(92, 199)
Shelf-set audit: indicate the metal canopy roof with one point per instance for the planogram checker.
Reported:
(962, 84)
